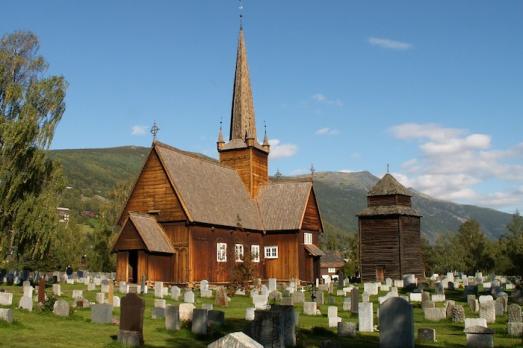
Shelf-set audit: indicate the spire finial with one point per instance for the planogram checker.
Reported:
(241, 14)
(388, 168)
(313, 170)
(154, 130)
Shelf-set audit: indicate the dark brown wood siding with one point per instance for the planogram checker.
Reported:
(129, 239)
(153, 192)
(122, 258)
(379, 247)
(411, 256)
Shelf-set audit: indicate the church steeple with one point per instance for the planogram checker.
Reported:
(243, 152)
(243, 121)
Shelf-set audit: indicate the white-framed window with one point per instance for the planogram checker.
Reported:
(307, 238)
(255, 253)
(221, 252)
(238, 252)
(271, 252)
(331, 270)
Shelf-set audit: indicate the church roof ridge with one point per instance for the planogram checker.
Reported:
(388, 185)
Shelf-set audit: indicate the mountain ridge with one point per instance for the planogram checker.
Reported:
(95, 172)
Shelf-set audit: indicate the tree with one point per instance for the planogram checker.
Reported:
(511, 246)
(475, 248)
(31, 105)
(102, 238)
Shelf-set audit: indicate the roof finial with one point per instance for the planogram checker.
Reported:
(220, 140)
(154, 130)
(388, 168)
(241, 14)
(313, 170)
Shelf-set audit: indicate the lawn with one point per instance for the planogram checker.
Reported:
(43, 329)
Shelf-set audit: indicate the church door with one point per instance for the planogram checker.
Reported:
(133, 266)
(380, 273)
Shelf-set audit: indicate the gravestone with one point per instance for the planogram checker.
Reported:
(310, 308)
(288, 320)
(158, 290)
(480, 337)
(6, 314)
(267, 328)
(415, 297)
(346, 329)
(207, 306)
(61, 308)
(514, 313)
(221, 298)
(100, 297)
(77, 294)
(332, 315)
(499, 306)
(235, 340)
(320, 297)
(249, 313)
(199, 321)
(102, 313)
(438, 298)
(26, 303)
(426, 335)
(57, 290)
(215, 318)
(272, 284)
(298, 297)
(396, 324)
(435, 314)
(172, 318)
(175, 293)
(6, 299)
(186, 311)
(365, 317)
(188, 296)
(354, 300)
(470, 322)
(487, 311)
(131, 320)
(458, 314)
(116, 301)
(260, 301)
(347, 304)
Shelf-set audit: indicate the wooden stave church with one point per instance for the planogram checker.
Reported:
(182, 205)
(389, 233)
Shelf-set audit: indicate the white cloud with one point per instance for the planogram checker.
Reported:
(139, 130)
(388, 43)
(346, 171)
(453, 162)
(322, 99)
(327, 131)
(279, 150)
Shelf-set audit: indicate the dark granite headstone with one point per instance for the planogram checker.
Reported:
(131, 318)
(288, 322)
(470, 290)
(215, 318)
(396, 324)
(172, 318)
(355, 299)
(267, 328)
(199, 321)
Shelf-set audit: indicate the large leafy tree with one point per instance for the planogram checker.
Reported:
(31, 105)
(511, 246)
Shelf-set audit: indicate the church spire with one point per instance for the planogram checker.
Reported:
(242, 112)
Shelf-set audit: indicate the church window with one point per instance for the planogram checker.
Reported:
(271, 252)
(221, 252)
(238, 252)
(255, 253)
(307, 238)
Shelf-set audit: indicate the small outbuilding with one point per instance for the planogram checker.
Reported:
(389, 233)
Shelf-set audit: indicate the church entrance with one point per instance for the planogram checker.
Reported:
(132, 266)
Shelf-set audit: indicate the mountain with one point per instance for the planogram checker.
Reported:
(92, 174)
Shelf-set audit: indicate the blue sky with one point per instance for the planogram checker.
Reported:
(433, 88)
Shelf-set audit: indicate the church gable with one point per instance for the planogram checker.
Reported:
(311, 217)
(129, 238)
(153, 192)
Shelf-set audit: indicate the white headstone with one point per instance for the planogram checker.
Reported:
(365, 317)
(188, 297)
(158, 289)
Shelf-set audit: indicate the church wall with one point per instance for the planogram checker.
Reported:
(153, 191)
(260, 170)
(286, 266)
(203, 252)
(239, 160)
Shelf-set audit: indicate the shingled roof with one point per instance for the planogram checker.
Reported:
(214, 194)
(388, 185)
(210, 192)
(282, 205)
(151, 233)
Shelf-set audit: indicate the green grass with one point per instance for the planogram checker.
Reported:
(44, 329)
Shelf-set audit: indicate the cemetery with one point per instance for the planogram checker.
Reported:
(94, 310)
